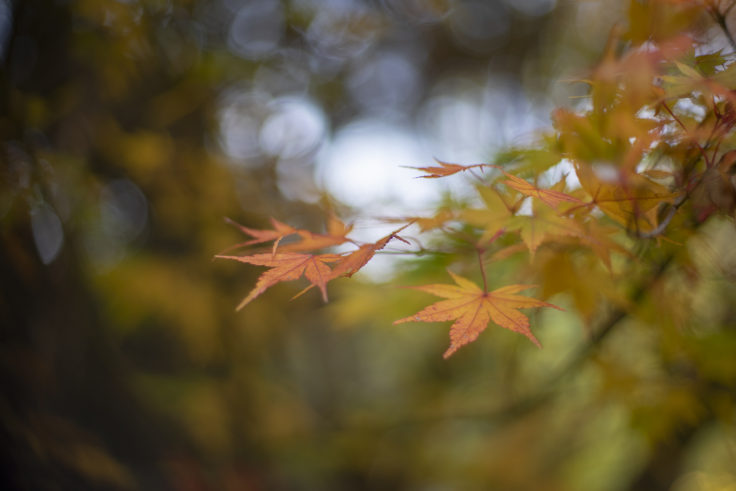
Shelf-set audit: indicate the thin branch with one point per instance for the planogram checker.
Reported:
(700, 148)
(659, 230)
(720, 19)
(476, 176)
(728, 9)
(419, 252)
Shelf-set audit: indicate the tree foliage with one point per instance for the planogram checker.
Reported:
(643, 162)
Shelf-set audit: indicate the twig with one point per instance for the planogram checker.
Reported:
(720, 19)
(700, 148)
(673, 210)
(656, 232)
(728, 9)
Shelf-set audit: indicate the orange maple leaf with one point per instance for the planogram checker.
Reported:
(336, 234)
(445, 169)
(472, 308)
(288, 267)
(350, 264)
(280, 230)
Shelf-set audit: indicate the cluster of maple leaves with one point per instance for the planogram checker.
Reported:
(650, 149)
(470, 306)
(290, 262)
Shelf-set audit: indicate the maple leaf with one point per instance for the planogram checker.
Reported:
(631, 200)
(542, 226)
(287, 267)
(348, 265)
(472, 308)
(598, 237)
(494, 216)
(445, 169)
(280, 230)
(336, 234)
(353, 262)
(438, 220)
(548, 196)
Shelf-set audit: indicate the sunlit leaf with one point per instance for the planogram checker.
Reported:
(287, 267)
(472, 309)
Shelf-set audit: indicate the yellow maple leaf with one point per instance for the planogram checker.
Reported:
(544, 225)
(496, 214)
(631, 199)
(549, 196)
(472, 308)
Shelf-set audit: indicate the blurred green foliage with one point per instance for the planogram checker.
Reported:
(130, 128)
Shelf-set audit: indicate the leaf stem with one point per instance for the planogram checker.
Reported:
(480, 252)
